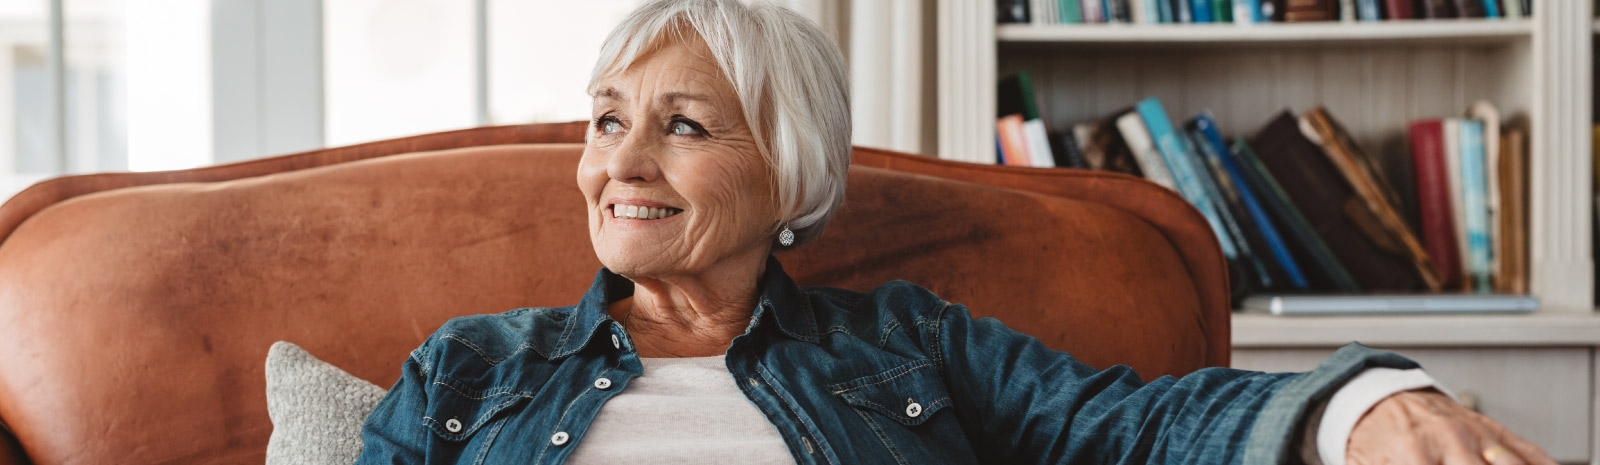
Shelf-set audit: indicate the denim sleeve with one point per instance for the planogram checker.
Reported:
(394, 432)
(1022, 402)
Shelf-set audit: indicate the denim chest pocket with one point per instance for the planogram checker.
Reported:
(908, 394)
(456, 413)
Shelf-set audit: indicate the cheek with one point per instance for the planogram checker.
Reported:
(591, 174)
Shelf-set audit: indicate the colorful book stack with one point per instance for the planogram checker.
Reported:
(1300, 207)
(1049, 12)
(1471, 178)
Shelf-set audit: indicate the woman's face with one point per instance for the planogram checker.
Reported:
(674, 182)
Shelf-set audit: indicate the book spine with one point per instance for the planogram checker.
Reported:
(1491, 8)
(1181, 12)
(1184, 174)
(1164, 11)
(1474, 191)
(1367, 10)
(1400, 9)
(1246, 11)
(1201, 9)
(1234, 213)
(1144, 150)
(1220, 157)
(1513, 9)
(1011, 11)
(1071, 11)
(1469, 8)
(1221, 11)
(1278, 201)
(1092, 11)
(1038, 140)
(1433, 198)
(1014, 146)
(1451, 130)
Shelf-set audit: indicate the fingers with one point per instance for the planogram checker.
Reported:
(1525, 450)
(1501, 455)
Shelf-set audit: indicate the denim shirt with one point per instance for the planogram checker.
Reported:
(895, 375)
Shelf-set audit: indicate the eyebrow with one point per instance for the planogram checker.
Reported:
(669, 98)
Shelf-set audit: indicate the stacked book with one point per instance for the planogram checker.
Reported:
(1300, 207)
(1047, 12)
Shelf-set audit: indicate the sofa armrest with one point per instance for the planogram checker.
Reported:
(10, 450)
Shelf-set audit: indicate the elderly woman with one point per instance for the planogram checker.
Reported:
(721, 133)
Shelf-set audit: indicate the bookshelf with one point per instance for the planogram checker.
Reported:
(1376, 78)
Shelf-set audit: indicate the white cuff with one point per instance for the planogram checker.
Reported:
(1355, 398)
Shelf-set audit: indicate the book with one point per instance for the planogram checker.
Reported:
(1247, 12)
(1434, 198)
(1182, 12)
(1013, 147)
(1107, 148)
(1491, 8)
(1037, 138)
(1201, 11)
(1252, 223)
(1512, 274)
(1381, 221)
(1071, 11)
(1347, 11)
(1164, 13)
(1468, 8)
(1490, 116)
(1322, 268)
(1221, 11)
(1434, 9)
(1367, 10)
(1094, 11)
(1069, 154)
(1389, 304)
(1141, 11)
(1310, 10)
(1144, 150)
(1181, 163)
(1474, 193)
(1253, 268)
(1118, 11)
(1317, 187)
(1011, 11)
(1451, 130)
(1015, 96)
(1399, 9)
(1513, 9)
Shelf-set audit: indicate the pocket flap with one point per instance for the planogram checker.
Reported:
(909, 393)
(456, 411)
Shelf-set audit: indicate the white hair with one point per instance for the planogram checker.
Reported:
(791, 81)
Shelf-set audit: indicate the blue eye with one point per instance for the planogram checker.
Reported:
(680, 128)
(610, 126)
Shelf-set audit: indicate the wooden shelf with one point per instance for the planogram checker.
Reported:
(1425, 31)
(1535, 330)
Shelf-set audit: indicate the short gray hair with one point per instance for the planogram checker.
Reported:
(791, 81)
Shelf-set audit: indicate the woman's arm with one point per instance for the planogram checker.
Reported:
(1037, 405)
(393, 432)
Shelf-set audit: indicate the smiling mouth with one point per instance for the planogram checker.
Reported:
(642, 213)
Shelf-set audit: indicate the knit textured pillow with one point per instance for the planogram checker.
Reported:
(316, 408)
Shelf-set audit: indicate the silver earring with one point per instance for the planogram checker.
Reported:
(786, 237)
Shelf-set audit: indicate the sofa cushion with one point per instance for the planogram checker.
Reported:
(316, 409)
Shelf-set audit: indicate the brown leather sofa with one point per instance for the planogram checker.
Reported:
(136, 309)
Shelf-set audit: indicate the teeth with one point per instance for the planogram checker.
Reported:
(642, 213)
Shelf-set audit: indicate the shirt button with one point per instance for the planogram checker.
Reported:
(560, 438)
(602, 384)
(452, 425)
(616, 341)
(914, 410)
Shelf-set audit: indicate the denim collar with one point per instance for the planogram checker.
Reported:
(780, 297)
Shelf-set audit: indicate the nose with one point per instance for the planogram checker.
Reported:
(635, 160)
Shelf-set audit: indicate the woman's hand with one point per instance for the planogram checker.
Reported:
(1426, 427)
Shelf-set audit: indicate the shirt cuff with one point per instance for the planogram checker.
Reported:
(1355, 398)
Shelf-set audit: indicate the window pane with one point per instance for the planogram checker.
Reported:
(541, 54)
(25, 132)
(96, 135)
(168, 83)
(397, 68)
